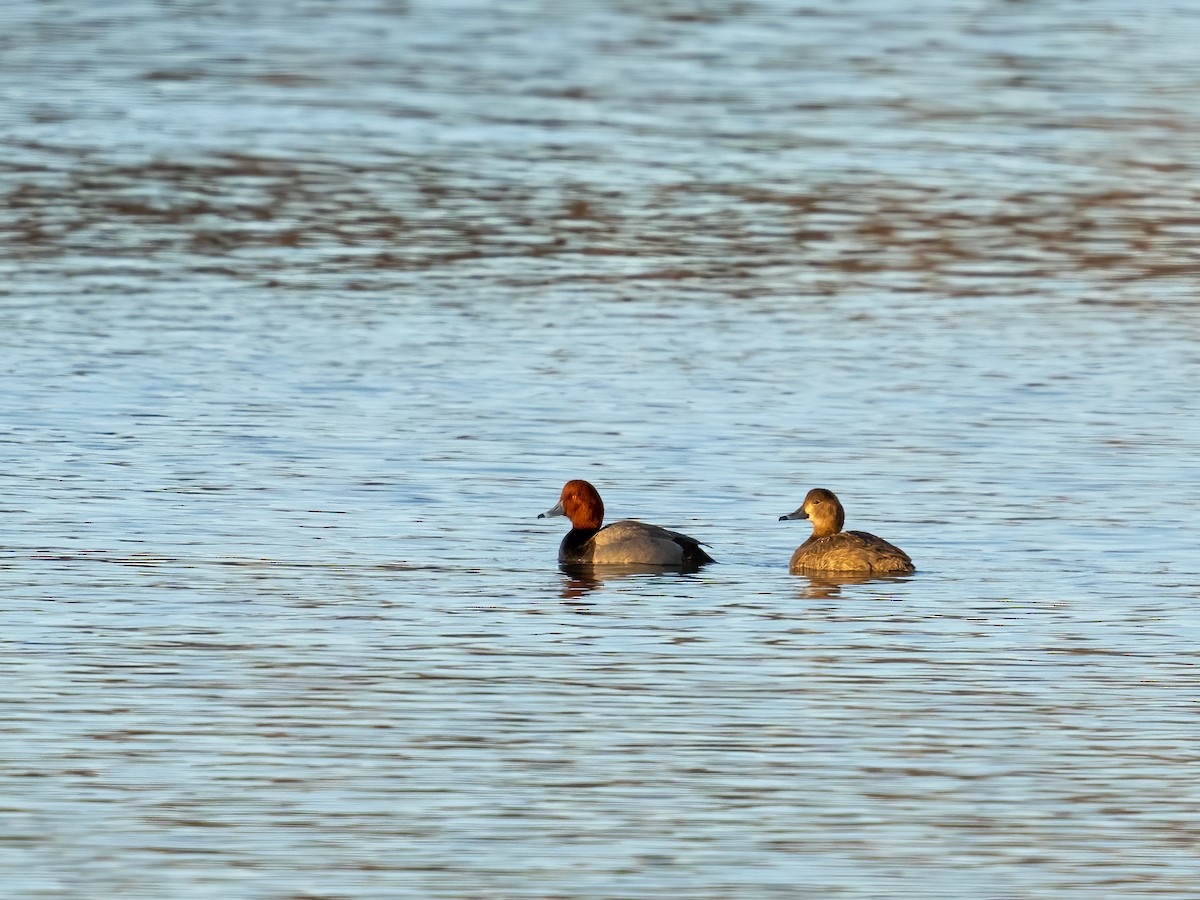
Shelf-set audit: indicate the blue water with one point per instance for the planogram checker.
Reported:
(307, 311)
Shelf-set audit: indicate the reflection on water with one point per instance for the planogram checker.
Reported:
(579, 581)
(816, 143)
(304, 304)
(829, 586)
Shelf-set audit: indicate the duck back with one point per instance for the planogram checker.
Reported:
(851, 551)
(631, 543)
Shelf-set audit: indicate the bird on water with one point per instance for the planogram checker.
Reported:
(830, 549)
(628, 542)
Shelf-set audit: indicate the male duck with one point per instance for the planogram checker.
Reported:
(622, 543)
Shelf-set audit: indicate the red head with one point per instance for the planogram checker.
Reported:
(581, 503)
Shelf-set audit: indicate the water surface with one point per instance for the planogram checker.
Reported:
(309, 309)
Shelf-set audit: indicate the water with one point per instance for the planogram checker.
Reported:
(309, 309)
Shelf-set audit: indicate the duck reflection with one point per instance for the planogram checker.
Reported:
(580, 580)
(827, 586)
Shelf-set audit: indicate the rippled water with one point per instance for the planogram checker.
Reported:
(309, 309)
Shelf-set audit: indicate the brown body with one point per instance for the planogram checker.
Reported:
(624, 543)
(830, 549)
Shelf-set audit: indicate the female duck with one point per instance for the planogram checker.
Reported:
(621, 543)
(829, 549)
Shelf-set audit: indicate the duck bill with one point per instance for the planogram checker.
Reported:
(798, 514)
(556, 510)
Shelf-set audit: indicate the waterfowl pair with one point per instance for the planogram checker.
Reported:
(829, 549)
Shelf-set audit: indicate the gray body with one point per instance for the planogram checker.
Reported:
(631, 543)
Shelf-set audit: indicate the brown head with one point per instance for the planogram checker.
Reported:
(581, 503)
(823, 509)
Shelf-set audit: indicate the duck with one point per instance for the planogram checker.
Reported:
(624, 543)
(829, 549)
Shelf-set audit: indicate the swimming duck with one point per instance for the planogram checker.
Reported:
(621, 543)
(829, 549)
